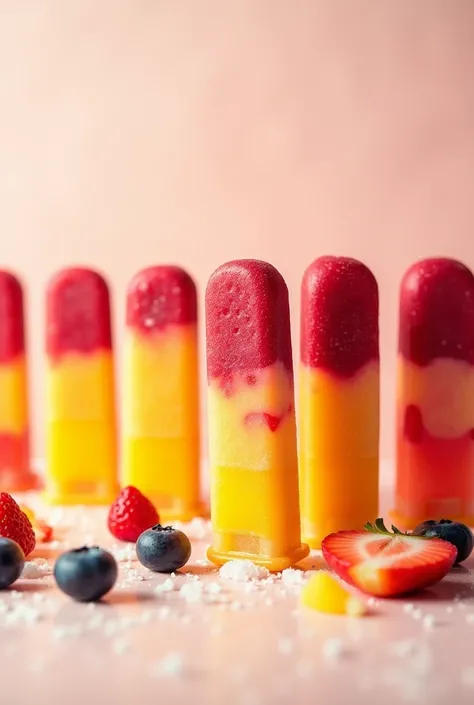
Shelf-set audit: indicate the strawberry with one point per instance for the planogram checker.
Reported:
(131, 514)
(387, 564)
(15, 525)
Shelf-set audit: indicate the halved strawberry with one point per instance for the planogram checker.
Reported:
(387, 564)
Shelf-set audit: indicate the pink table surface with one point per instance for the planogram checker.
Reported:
(245, 647)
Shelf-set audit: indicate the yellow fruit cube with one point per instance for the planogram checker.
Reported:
(324, 593)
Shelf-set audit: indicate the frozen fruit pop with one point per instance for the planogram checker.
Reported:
(161, 398)
(435, 394)
(252, 435)
(80, 403)
(339, 397)
(15, 473)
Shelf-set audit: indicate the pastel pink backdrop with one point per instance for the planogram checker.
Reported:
(134, 132)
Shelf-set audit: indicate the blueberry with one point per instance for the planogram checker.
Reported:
(456, 533)
(163, 549)
(12, 560)
(86, 574)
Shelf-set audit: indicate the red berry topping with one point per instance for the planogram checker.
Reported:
(15, 525)
(131, 514)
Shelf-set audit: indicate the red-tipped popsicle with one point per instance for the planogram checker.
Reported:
(252, 433)
(435, 395)
(339, 397)
(15, 472)
(161, 396)
(81, 427)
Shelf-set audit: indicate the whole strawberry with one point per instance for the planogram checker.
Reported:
(15, 525)
(131, 514)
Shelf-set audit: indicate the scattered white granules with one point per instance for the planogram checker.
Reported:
(167, 586)
(409, 607)
(450, 609)
(192, 592)
(429, 621)
(290, 577)
(198, 591)
(21, 613)
(131, 575)
(67, 631)
(236, 606)
(470, 618)
(124, 554)
(286, 645)
(334, 650)
(467, 676)
(36, 569)
(243, 571)
(417, 613)
(196, 529)
(170, 665)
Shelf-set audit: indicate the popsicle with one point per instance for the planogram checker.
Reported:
(252, 433)
(339, 398)
(80, 403)
(161, 398)
(435, 394)
(15, 473)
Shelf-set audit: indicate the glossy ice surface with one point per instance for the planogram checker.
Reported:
(339, 316)
(247, 319)
(161, 296)
(437, 312)
(210, 640)
(78, 313)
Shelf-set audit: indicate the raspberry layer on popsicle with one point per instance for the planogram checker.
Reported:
(80, 400)
(15, 473)
(435, 394)
(339, 397)
(161, 397)
(252, 434)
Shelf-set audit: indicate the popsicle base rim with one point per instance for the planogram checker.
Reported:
(403, 521)
(274, 565)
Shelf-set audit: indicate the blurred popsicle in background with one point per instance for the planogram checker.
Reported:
(80, 399)
(252, 433)
(339, 397)
(435, 394)
(161, 450)
(15, 472)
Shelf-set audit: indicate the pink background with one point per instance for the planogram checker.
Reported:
(196, 131)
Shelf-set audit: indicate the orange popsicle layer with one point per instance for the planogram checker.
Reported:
(82, 462)
(435, 442)
(339, 432)
(161, 423)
